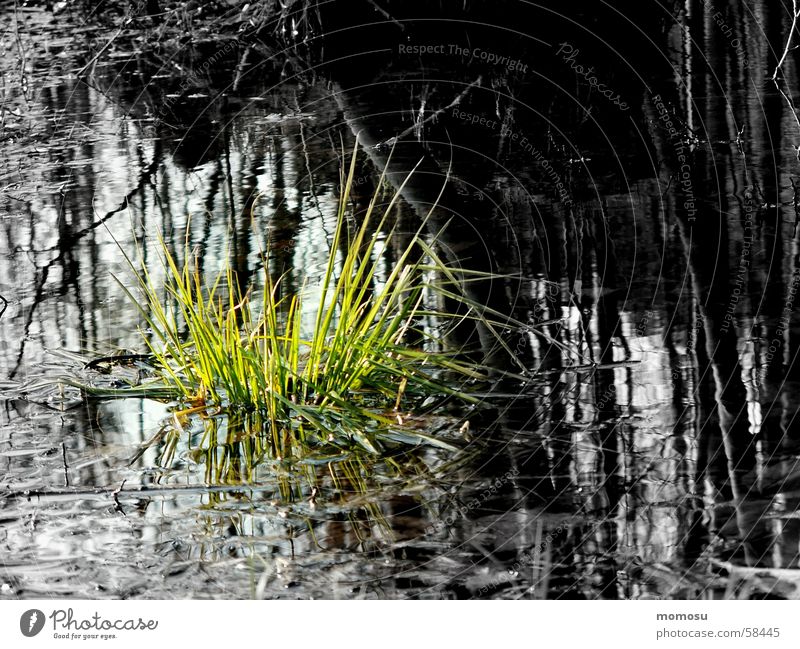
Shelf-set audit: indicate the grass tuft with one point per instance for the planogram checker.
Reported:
(349, 381)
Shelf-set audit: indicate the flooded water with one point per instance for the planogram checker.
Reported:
(645, 210)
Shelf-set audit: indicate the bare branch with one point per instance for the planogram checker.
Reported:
(796, 15)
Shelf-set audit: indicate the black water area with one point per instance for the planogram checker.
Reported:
(625, 173)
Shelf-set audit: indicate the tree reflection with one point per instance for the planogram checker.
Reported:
(648, 442)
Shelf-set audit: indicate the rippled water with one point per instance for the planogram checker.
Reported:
(653, 452)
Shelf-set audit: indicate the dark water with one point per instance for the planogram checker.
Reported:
(652, 451)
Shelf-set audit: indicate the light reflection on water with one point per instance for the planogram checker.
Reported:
(606, 481)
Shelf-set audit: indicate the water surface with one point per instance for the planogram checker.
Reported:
(653, 449)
